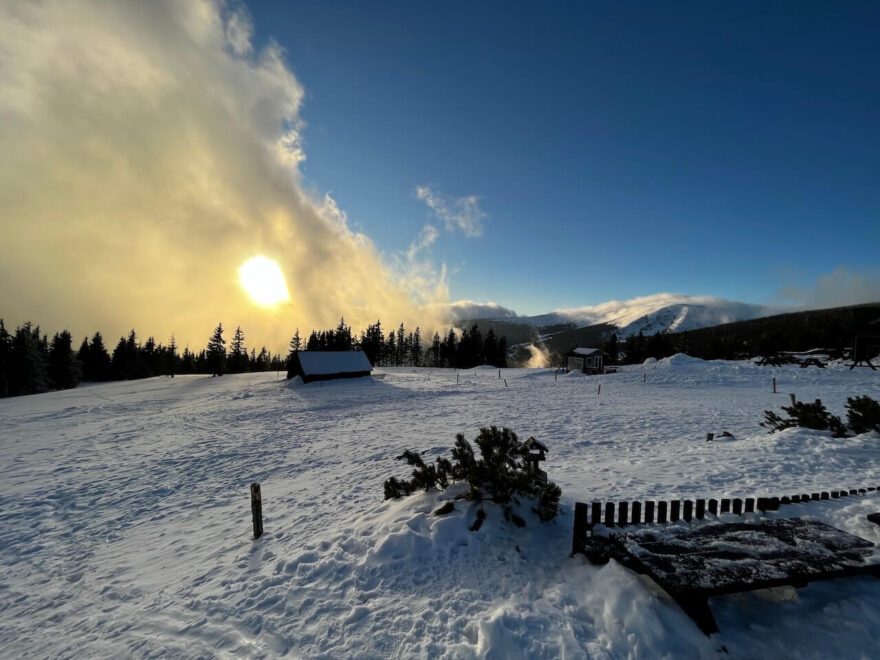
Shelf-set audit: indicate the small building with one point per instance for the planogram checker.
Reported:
(587, 360)
(328, 365)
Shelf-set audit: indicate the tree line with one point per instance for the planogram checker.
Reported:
(31, 362)
(399, 348)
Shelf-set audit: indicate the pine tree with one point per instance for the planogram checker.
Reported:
(238, 358)
(5, 360)
(98, 367)
(28, 359)
(295, 346)
(64, 370)
(399, 353)
(490, 348)
(416, 347)
(171, 358)
(215, 352)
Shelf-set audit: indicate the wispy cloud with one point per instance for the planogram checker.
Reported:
(842, 286)
(456, 212)
(148, 151)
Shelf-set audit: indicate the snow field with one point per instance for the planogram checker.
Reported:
(125, 517)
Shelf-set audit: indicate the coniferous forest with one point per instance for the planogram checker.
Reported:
(31, 362)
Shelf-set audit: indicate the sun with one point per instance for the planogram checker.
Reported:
(263, 280)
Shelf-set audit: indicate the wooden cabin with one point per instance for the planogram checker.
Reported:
(587, 360)
(329, 365)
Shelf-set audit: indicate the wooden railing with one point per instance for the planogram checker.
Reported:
(624, 512)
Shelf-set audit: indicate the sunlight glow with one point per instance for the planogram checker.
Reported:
(263, 280)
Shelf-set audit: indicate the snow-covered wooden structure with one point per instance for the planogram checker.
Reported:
(587, 360)
(329, 365)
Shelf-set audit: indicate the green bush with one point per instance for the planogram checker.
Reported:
(862, 414)
(500, 473)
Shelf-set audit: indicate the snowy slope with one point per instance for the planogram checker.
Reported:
(125, 516)
(650, 314)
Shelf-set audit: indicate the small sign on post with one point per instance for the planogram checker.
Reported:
(257, 510)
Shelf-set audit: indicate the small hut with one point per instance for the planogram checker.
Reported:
(329, 365)
(587, 360)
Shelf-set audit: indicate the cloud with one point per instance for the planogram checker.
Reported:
(148, 151)
(464, 310)
(841, 286)
(463, 213)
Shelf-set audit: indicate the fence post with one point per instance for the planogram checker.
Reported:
(580, 527)
(257, 510)
(793, 399)
(774, 386)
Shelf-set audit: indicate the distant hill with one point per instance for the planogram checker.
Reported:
(832, 328)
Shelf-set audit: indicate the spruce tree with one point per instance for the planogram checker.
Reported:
(65, 370)
(215, 352)
(295, 346)
(98, 367)
(28, 360)
(171, 358)
(5, 359)
(238, 359)
(416, 348)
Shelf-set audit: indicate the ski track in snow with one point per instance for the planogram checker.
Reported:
(125, 518)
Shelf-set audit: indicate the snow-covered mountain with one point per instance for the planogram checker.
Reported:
(659, 312)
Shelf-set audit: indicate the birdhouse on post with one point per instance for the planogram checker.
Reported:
(535, 453)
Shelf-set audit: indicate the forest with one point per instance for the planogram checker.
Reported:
(31, 362)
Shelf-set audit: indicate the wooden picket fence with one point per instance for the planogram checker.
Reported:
(623, 513)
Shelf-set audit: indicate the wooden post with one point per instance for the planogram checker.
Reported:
(710, 437)
(609, 514)
(713, 507)
(750, 505)
(622, 511)
(456, 378)
(649, 511)
(774, 386)
(600, 388)
(580, 527)
(674, 510)
(737, 506)
(636, 513)
(499, 374)
(793, 399)
(725, 505)
(701, 509)
(257, 510)
(595, 513)
(645, 377)
(688, 510)
(661, 512)
(505, 382)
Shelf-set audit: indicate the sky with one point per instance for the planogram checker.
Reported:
(395, 157)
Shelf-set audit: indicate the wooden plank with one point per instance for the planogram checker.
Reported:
(596, 513)
(688, 510)
(580, 527)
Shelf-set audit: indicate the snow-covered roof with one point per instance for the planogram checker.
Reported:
(587, 351)
(320, 363)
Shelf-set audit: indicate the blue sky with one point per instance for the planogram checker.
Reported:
(616, 149)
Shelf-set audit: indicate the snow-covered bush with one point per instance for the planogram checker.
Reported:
(500, 474)
(863, 415)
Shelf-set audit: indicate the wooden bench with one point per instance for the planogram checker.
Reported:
(809, 362)
(695, 562)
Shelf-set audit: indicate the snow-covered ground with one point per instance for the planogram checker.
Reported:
(125, 516)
